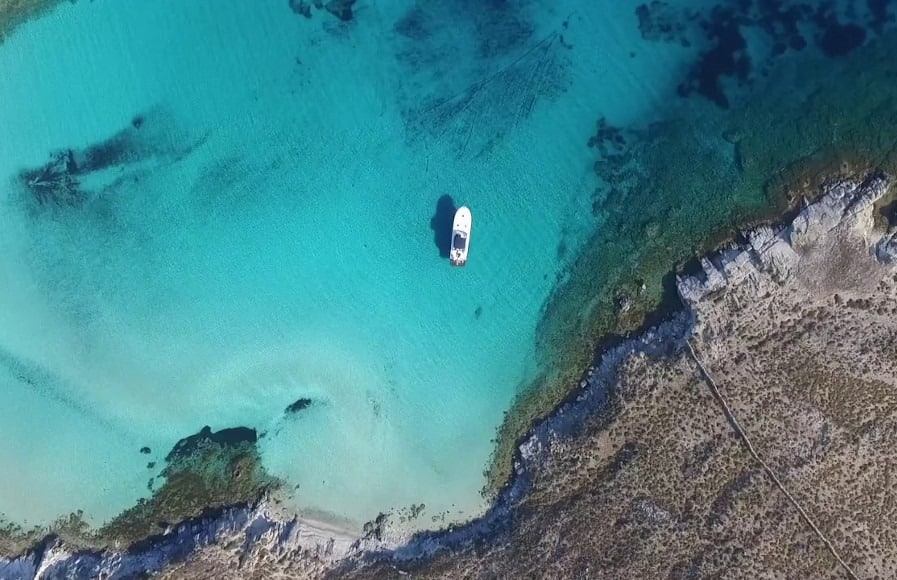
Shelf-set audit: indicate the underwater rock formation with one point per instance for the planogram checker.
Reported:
(123, 158)
(298, 405)
(58, 181)
(342, 9)
(203, 475)
(722, 30)
(189, 446)
(478, 95)
(301, 7)
(207, 470)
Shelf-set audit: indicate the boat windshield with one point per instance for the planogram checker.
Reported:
(459, 242)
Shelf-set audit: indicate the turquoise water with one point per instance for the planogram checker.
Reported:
(252, 226)
(269, 239)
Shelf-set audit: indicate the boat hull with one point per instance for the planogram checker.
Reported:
(461, 227)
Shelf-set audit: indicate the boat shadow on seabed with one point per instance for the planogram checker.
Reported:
(441, 224)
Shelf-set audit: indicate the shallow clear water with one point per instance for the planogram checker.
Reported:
(254, 225)
(268, 239)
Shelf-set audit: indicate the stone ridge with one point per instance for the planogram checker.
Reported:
(775, 251)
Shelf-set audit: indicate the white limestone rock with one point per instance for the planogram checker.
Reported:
(777, 252)
(886, 248)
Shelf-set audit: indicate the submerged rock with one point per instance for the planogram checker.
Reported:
(55, 181)
(298, 405)
(342, 9)
(188, 446)
(207, 470)
(301, 7)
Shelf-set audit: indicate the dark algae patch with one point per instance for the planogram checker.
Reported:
(726, 63)
(344, 10)
(123, 157)
(473, 107)
(188, 447)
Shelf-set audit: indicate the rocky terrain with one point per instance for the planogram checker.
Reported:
(751, 436)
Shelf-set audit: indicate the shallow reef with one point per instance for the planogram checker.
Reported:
(203, 473)
(721, 31)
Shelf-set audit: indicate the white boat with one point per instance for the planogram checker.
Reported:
(460, 236)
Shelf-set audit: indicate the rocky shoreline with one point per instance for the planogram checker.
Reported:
(776, 251)
(818, 254)
(643, 475)
(250, 527)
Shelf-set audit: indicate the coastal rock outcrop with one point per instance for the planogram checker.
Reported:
(642, 475)
(844, 204)
(259, 536)
(886, 247)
